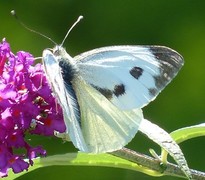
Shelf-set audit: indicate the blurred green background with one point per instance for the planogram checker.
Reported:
(179, 24)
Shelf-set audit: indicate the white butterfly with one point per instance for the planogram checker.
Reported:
(103, 90)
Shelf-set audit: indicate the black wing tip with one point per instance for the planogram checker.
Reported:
(167, 54)
(170, 63)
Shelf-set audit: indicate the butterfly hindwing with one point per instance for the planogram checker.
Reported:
(129, 76)
(105, 128)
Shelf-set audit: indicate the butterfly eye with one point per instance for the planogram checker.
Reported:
(56, 51)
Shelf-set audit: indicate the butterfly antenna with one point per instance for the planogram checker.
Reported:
(13, 13)
(76, 22)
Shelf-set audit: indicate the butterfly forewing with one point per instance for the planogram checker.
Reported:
(129, 76)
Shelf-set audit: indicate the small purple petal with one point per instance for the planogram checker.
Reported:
(3, 157)
(17, 164)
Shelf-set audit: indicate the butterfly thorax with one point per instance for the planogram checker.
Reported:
(66, 62)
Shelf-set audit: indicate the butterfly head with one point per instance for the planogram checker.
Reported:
(59, 51)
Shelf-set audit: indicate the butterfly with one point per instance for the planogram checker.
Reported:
(103, 90)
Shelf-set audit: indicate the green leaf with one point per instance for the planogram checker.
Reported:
(163, 139)
(190, 132)
(184, 134)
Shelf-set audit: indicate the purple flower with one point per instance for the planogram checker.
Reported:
(26, 106)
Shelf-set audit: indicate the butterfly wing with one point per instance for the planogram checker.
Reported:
(105, 128)
(64, 94)
(129, 76)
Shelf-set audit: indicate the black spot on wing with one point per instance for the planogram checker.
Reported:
(119, 90)
(170, 62)
(136, 72)
(106, 92)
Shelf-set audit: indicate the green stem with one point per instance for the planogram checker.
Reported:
(124, 158)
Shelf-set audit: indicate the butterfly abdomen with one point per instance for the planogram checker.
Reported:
(68, 71)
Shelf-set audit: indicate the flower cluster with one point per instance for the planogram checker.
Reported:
(26, 107)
